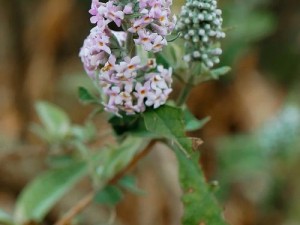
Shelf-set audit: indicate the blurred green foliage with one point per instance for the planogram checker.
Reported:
(246, 23)
(263, 164)
(269, 27)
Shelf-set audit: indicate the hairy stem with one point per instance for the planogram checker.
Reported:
(79, 207)
(185, 91)
(86, 200)
(130, 47)
(133, 162)
(188, 86)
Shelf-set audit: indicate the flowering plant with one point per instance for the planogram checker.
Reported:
(133, 53)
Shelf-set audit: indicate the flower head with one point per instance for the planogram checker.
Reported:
(153, 25)
(127, 93)
(129, 85)
(200, 24)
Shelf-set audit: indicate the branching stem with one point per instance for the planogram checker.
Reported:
(185, 91)
(86, 200)
(78, 208)
(188, 86)
(130, 47)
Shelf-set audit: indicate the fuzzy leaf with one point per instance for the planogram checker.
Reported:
(125, 124)
(200, 207)
(110, 195)
(84, 133)
(55, 121)
(117, 158)
(85, 96)
(5, 218)
(129, 183)
(216, 73)
(109, 163)
(39, 196)
(211, 74)
(192, 123)
(166, 121)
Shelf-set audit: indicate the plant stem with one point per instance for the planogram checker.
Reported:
(185, 91)
(130, 47)
(79, 207)
(86, 200)
(133, 162)
(188, 85)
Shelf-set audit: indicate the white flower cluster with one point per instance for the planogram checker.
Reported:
(200, 24)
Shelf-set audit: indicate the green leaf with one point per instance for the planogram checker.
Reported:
(84, 133)
(110, 195)
(39, 196)
(162, 60)
(55, 121)
(200, 206)
(192, 123)
(124, 124)
(59, 161)
(166, 121)
(85, 96)
(5, 218)
(113, 160)
(171, 56)
(216, 73)
(209, 74)
(130, 124)
(129, 183)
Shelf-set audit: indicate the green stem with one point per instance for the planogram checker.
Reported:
(130, 45)
(88, 199)
(188, 86)
(185, 91)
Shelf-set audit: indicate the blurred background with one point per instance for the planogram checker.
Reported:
(252, 142)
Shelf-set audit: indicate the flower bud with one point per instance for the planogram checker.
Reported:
(200, 22)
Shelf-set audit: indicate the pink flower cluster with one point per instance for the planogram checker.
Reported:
(130, 88)
(95, 50)
(153, 24)
(129, 85)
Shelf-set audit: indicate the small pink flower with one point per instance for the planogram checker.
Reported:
(103, 44)
(128, 9)
(158, 43)
(114, 13)
(140, 94)
(161, 30)
(144, 39)
(123, 98)
(143, 3)
(127, 69)
(156, 10)
(153, 99)
(166, 74)
(110, 64)
(138, 25)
